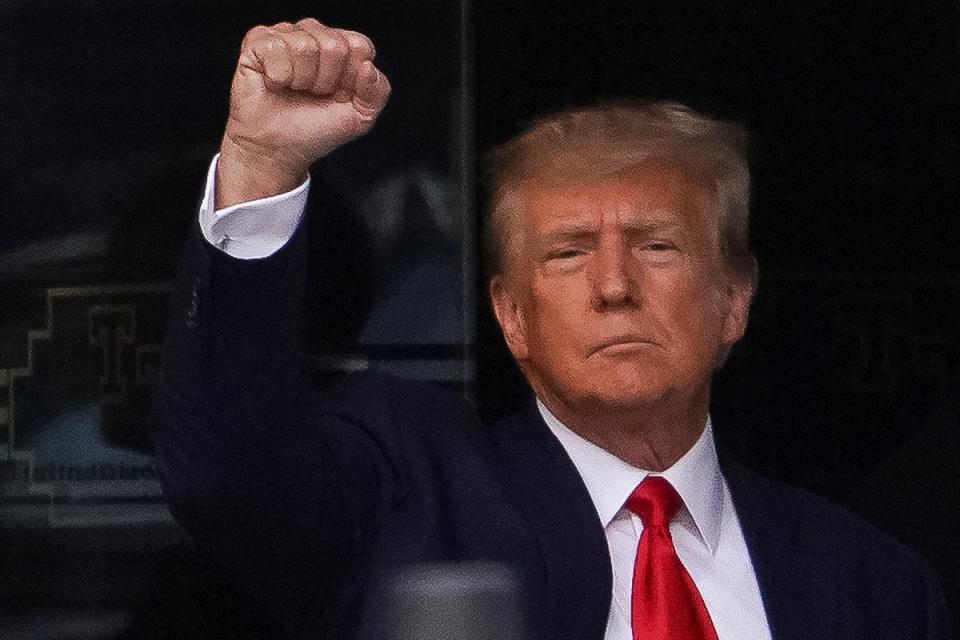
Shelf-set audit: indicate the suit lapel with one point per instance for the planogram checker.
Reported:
(543, 483)
(797, 603)
(547, 489)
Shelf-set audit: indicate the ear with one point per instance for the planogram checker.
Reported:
(509, 316)
(738, 294)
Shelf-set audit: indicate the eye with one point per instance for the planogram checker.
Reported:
(659, 245)
(564, 260)
(565, 254)
(658, 252)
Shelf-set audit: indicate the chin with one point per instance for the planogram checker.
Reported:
(623, 395)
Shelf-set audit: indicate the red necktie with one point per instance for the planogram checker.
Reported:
(666, 603)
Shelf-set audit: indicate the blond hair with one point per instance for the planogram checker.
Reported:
(591, 143)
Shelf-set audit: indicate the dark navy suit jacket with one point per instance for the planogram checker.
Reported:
(312, 501)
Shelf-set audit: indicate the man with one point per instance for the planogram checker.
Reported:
(622, 279)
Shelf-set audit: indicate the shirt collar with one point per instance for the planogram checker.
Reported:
(610, 481)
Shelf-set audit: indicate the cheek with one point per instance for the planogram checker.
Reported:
(688, 306)
(555, 322)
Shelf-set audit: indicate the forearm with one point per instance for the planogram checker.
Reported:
(244, 176)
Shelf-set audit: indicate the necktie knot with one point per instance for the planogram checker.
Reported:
(655, 501)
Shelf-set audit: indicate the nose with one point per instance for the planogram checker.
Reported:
(615, 285)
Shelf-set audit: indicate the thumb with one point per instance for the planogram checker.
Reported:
(371, 92)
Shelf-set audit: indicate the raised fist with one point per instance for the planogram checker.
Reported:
(299, 92)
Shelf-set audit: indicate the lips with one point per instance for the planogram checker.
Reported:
(625, 341)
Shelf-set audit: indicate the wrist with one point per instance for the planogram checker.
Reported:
(245, 174)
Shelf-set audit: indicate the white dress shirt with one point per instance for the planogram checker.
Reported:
(706, 531)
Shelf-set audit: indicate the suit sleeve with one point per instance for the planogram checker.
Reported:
(283, 490)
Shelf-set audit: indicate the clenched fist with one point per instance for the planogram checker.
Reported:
(299, 92)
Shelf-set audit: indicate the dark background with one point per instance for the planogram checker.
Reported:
(847, 380)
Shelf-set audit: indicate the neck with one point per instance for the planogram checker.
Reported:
(651, 437)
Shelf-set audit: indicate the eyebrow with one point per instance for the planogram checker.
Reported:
(582, 231)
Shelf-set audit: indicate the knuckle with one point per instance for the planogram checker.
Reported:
(359, 42)
(305, 46)
(272, 45)
(312, 23)
(256, 33)
(368, 45)
(336, 45)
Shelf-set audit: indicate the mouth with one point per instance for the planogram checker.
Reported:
(622, 345)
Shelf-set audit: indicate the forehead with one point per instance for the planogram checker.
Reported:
(649, 193)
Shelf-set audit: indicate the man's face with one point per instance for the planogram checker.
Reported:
(614, 295)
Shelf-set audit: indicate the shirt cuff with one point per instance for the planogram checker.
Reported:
(254, 229)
